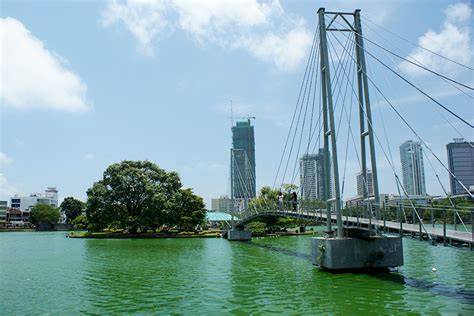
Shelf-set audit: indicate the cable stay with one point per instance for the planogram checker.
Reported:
(413, 85)
(419, 46)
(313, 46)
(415, 133)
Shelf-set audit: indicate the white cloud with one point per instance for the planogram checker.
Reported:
(5, 159)
(89, 156)
(7, 190)
(260, 28)
(144, 19)
(452, 41)
(33, 76)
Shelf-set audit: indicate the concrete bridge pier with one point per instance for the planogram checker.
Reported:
(239, 234)
(357, 250)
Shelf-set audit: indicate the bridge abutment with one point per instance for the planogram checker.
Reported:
(239, 234)
(357, 252)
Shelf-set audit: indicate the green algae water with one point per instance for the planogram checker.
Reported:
(47, 273)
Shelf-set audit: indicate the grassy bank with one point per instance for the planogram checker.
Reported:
(124, 235)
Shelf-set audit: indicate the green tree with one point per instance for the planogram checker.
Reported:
(44, 212)
(80, 222)
(72, 208)
(186, 210)
(132, 195)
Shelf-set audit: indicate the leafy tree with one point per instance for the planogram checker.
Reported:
(99, 212)
(134, 195)
(44, 212)
(72, 207)
(187, 210)
(80, 222)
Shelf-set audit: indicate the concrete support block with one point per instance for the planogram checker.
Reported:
(239, 234)
(357, 253)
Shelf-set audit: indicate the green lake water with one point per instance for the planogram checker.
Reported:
(47, 273)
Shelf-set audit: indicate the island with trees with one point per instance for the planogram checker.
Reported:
(139, 199)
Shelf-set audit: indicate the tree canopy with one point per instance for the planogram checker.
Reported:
(44, 212)
(139, 195)
(72, 208)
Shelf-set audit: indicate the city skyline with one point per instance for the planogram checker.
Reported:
(162, 92)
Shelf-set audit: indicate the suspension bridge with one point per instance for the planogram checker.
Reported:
(338, 81)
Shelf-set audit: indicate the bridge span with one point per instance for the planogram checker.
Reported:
(436, 234)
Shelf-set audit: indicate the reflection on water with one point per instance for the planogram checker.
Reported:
(462, 294)
(57, 275)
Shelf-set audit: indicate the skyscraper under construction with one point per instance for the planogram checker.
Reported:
(243, 160)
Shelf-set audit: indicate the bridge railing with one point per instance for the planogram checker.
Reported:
(300, 208)
(427, 218)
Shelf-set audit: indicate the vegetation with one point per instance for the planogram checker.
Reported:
(267, 199)
(139, 196)
(72, 208)
(80, 222)
(44, 212)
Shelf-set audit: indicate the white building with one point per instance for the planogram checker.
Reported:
(312, 176)
(413, 171)
(222, 204)
(361, 183)
(25, 203)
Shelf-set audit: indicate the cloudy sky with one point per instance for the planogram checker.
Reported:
(88, 83)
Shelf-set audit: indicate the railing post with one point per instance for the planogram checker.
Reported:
(455, 220)
(358, 221)
(444, 227)
(472, 226)
(400, 220)
(432, 218)
(421, 234)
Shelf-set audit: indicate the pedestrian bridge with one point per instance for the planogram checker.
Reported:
(438, 233)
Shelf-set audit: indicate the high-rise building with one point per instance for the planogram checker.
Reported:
(413, 172)
(361, 183)
(312, 176)
(243, 160)
(461, 164)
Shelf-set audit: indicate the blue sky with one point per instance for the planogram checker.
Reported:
(89, 83)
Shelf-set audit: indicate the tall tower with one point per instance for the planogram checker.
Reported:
(461, 165)
(243, 160)
(312, 176)
(369, 184)
(413, 171)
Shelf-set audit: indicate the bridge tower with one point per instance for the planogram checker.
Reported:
(352, 248)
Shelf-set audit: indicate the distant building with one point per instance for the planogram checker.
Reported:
(413, 171)
(243, 162)
(361, 183)
(461, 164)
(25, 203)
(17, 217)
(222, 204)
(312, 176)
(3, 213)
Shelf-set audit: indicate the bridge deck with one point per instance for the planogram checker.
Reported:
(434, 232)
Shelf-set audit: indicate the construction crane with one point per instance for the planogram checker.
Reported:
(248, 117)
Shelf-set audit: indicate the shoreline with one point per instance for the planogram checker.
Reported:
(217, 234)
